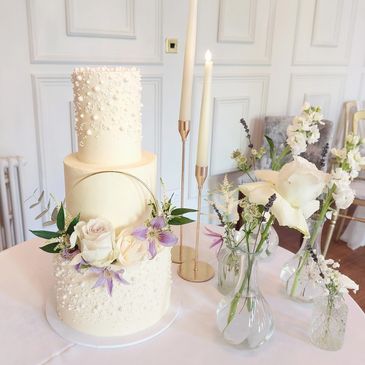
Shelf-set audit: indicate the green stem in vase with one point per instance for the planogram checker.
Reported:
(247, 277)
(330, 305)
(237, 296)
(319, 222)
(277, 162)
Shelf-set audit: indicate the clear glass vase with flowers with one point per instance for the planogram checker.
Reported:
(298, 185)
(244, 316)
(329, 315)
(338, 193)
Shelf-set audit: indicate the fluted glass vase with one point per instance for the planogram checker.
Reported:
(297, 273)
(229, 258)
(244, 316)
(328, 323)
(229, 263)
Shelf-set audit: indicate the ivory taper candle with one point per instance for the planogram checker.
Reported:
(189, 60)
(205, 122)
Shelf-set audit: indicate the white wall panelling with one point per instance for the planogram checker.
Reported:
(227, 111)
(115, 19)
(244, 40)
(53, 122)
(327, 23)
(237, 21)
(152, 115)
(324, 32)
(72, 126)
(325, 89)
(362, 87)
(55, 45)
(308, 49)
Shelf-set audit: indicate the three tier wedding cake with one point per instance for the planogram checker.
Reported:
(112, 262)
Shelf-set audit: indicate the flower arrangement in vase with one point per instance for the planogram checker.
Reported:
(329, 316)
(230, 243)
(305, 194)
(244, 316)
(337, 192)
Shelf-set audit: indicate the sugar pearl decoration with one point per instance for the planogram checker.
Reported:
(130, 308)
(114, 93)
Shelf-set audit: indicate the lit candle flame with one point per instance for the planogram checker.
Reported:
(208, 56)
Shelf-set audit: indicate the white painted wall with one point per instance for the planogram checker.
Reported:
(269, 55)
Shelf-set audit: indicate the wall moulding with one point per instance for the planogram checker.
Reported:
(94, 44)
(124, 27)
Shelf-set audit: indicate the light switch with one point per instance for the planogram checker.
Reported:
(171, 45)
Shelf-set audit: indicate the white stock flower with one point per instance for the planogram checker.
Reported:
(96, 241)
(346, 284)
(296, 185)
(353, 139)
(130, 250)
(332, 280)
(313, 135)
(340, 177)
(355, 161)
(297, 142)
(343, 196)
(339, 153)
(304, 129)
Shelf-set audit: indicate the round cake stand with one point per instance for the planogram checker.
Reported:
(83, 339)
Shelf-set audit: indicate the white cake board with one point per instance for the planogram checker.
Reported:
(83, 339)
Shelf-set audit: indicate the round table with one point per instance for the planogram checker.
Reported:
(26, 280)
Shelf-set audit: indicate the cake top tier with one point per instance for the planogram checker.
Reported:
(108, 114)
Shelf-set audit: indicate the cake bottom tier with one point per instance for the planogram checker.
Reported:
(115, 194)
(131, 308)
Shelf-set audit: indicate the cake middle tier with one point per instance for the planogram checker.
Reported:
(117, 197)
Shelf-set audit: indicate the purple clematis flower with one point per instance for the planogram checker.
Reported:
(217, 238)
(106, 276)
(80, 264)
(69, 254)
(155, 233)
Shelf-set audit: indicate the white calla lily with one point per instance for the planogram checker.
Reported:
(296, 185)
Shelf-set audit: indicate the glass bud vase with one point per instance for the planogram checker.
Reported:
(297, 273)
(229, 263)
(244, 316)
(328, 323)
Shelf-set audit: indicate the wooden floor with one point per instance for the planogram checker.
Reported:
(352, 262)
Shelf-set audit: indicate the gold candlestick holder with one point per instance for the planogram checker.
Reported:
(181, 253)
(193, 269)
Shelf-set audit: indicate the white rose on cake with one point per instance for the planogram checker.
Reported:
(95, 239)
(130, 250)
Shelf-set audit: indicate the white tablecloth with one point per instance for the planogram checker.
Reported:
(26, 338)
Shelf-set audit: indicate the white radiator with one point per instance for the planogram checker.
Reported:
(12, 215)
